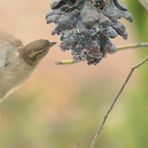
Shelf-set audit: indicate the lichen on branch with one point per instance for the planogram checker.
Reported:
(86, 27)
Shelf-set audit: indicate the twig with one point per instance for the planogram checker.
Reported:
(140, 45)
(116, 99)
(132, 46)
(144, 3)
(65, 62)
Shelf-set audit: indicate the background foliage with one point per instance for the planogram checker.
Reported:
(137, 107)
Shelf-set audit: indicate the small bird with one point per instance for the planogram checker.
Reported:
(17, 62)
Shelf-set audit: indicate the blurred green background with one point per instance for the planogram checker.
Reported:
(61, 106)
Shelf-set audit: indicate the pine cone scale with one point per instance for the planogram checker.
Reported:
(86, 26)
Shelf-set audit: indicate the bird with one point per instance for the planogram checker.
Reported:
(17, 61)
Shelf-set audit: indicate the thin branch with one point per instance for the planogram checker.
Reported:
(66, 62)
(132, 46)
(99, 130)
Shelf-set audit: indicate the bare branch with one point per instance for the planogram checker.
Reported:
(66, 62)
(144, 3)
(99, 130)
(132, 46)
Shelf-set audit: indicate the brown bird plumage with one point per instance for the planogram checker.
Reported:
(17, 61)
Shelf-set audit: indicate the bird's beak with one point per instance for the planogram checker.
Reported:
(52, 43)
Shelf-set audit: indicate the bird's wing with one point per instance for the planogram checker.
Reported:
(9, 46)
(2, 57)
(10, 38)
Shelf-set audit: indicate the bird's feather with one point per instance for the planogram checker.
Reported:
(4, 36)
(8, 48)
(2, 58)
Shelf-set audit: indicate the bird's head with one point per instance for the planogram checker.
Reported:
(36, 50)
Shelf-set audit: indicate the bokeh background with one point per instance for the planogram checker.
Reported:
(61, 106)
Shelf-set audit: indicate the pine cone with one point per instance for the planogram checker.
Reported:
(86, 26)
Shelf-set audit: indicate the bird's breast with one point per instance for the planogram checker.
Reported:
(13, 75)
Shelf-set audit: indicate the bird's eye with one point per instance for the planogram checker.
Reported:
(36, 52)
